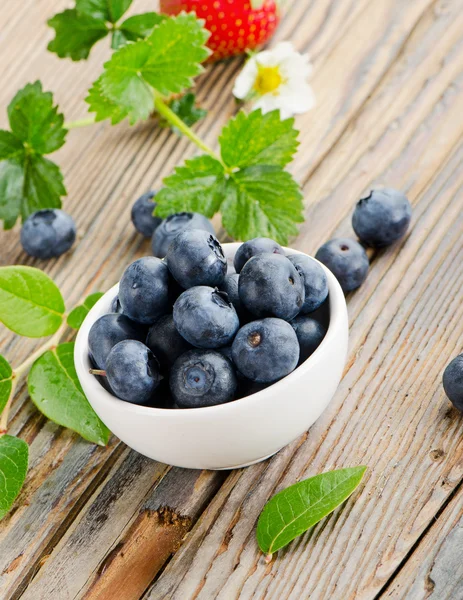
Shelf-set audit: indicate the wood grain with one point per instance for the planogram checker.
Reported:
(387, 76)
(434, 570)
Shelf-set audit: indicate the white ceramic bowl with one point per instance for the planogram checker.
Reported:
(230, 435)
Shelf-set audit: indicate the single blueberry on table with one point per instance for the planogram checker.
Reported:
(271, 286)
(255, 247)
(195, 257)
(266, 350)
(205, 317)
(144, 290)
(382, 217)
(133, 372)
(315, 281)
(310, 334)
(453, 382)
(202, 378)
(165, 341)
(142, 215)
(172, 226)
(48, 233)
(347, 260)
(109, 330)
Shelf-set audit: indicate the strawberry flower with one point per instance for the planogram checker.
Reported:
(277, 79)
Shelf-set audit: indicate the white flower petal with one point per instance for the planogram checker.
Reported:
(267, 103)
(245, 80)
(296, 66)
(297, 99)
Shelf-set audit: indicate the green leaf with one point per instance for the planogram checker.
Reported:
(258, 139)
(139, 26)
(103, 107)
(55, 390)
(166, 61)
(262, 201)
(198, 186)
(43, 185)
(107, 10)
(185, 108)
(30, 302)
(14, 458)
(10, 146)
(6, 382)
(77, 315)
(297, 508)
(11, 191)
(35, 121)
(75, 34)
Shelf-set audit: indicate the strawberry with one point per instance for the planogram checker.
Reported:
(235, 25)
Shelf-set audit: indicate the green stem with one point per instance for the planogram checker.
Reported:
(79, 123)
(52, 342)
(174, 120)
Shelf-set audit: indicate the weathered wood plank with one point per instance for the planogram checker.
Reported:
(434, 571)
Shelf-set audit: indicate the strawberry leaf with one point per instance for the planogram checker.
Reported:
(103, 107)
(136, 28)
(185, 108)
(166, 61)
(258, 139)
(262, 201)
(198, 186)
(75, 34)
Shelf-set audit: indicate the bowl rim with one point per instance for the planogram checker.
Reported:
(338, 309)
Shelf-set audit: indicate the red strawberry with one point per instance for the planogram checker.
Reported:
(235, 25)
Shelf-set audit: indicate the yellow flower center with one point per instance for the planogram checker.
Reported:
(268, 79)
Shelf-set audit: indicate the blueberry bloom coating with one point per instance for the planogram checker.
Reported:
(202, 378)
(382, 217)
(271, 286)
(48, 233)
(230, 286)
(144, 290)
(310, 334)
(132, 371)
(255, 247)
(453, 382)
(195, 257)
(109, 330)
(172, 226)
(165, 341)
(266, 350)
(347, 260)
(205, 317)
(142, 214)
(315, 281)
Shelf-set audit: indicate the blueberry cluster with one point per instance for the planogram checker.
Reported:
(380, 219)
(190, 331)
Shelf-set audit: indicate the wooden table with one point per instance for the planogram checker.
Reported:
(107, 523)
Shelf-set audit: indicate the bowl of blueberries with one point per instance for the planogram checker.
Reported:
(214, 356)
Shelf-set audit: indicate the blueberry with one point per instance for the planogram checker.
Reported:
(453, 382)
(116, 305)
(255, 247)
(165, 341)
(347, 260)
(246, 387)
(195, 257)
(382, 217)
(48, 233)
(108, 331)
(226, 351)
(230, 287)
(205, 317)
(202, 378)
(270, 286)
(315, 281)
(266, 350)
(142, 214)
(172, 226)
(310, 334)
(132, 371)
(144, 290)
